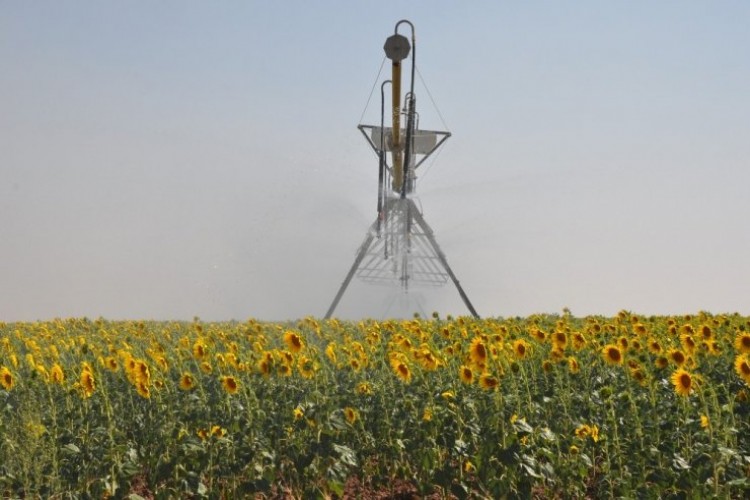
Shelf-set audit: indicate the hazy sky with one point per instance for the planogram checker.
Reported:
(164, 160)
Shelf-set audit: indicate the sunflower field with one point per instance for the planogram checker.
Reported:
(627, 406)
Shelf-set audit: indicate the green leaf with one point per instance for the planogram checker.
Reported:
(71, 448)
(347, 455)
(680, 463)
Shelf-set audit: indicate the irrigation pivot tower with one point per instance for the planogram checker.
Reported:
(400, 247)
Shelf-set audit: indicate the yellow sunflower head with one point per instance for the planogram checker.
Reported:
(111, 363)
(88, 383)
(560, 339)
(520, 348)
(742, 342)
(350, 414)
(285, 369)
(742, 367)
(143, 390)
(199, 350)
(187, 382)
(677, 357)
(683, 382)
(654, 346)
(230, 384)
(688, 342)
(402, 371)
(6, 379)
(306, 367)
(573, 365)
(465, 374)
(57, 375)
(294, 341)
(612, 354)
(488, 382)
(478, 351)
(661, 362)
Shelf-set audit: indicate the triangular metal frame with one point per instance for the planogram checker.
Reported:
(423, 261)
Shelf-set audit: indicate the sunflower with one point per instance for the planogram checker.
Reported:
(298, 413)
(229, 384)
(520, 348)
(557, 354)
(285, 370)
(639, 329)
(331, 352)
(573, 365)
(688, 343)
(162, 363)
(584, 430)
(705, 332)
(364, 388)
(350, 414)
(742, 342)
(654, 346)
(487, 381)
(639, 376)
(293, 341)
(579, 341)
(559, 340)
(206, 367)
(465, 374)
(306, 367)
(355, 364)
(742, 367)
(661, 362)
(538, 334)
(478, 351)
(612, 354)
(111, 364)
(686, 329)
(187, 381)
(88, 383)
(142, 373)
(57, 375)
(683, 382)
(218, 431)
(402, 371)
(712, 347)
(199, 350)
(677, 357)
(705, 422)
(264, 367)
(143, 390)
(6, 379)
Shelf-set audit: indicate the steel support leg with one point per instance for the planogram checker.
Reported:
(360, 255)
(431, 238)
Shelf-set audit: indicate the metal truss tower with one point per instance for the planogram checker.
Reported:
(400, 247)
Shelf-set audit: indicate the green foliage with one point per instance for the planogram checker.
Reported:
(489, 408)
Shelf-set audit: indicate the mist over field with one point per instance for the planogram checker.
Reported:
(181, 159)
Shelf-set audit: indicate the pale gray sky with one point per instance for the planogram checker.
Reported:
(164, 160)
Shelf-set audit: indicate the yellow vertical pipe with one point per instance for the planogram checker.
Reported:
(398, 167)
